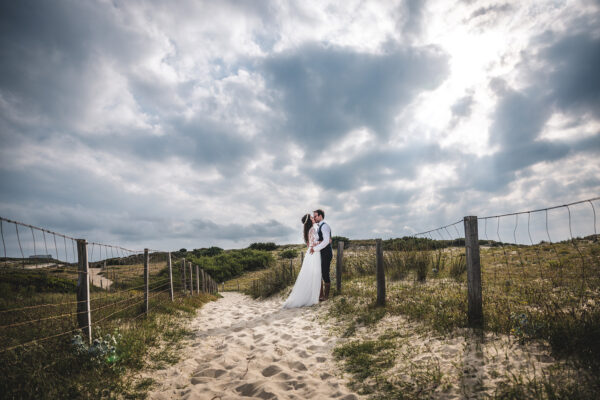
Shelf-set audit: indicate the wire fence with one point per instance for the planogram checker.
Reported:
(54, 286)
(511, 272)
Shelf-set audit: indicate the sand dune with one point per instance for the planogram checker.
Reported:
(245, 348)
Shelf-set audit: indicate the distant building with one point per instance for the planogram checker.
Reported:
(41, 256)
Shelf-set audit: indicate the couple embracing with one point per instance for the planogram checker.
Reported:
(313, 282)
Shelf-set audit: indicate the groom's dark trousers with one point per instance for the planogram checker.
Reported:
(326, 256)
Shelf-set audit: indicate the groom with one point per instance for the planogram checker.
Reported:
(324, 247)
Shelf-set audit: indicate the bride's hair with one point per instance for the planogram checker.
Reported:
(307, 225)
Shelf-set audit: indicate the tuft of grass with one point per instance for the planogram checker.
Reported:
(371, 364)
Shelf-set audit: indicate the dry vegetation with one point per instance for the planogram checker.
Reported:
(36, 305)
(541, 315)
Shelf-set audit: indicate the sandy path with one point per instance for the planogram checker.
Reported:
(98, 280)
(245, 348)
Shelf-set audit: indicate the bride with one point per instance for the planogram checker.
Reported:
(308, 284)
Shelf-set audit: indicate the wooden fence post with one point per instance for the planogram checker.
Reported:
(475, 308)
(223, 287)
(203, 281)
(146, 280)
(338, 267)
(183, 277)
(84, 316)
(170, 274)
(197, 279)
(380, 274)
(191, 278)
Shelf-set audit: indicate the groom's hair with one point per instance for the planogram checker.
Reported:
(320, 212)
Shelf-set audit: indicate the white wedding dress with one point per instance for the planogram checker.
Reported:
(308, 284)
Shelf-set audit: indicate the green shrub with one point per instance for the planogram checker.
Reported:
(208, 252)
(336, 239)
(230, 264)
(289, 254)
(269, 246)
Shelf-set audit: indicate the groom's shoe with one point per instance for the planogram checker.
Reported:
(321, 295)
(327, 286)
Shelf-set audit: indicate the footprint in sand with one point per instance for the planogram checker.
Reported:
(254, 390)
(302, 353)
(210, 373)
(271, 370)
(238, 354)
(297, 366)
(258, 338)
(325, 376)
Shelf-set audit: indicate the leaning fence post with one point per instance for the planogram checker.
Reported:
(338, 267)
(170, 274)
(191, 278)
(475, 308)
(146, 280)
(197, 279)
(183, 277)
(84, 316)
(380, 274)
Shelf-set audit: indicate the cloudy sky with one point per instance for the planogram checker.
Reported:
(197, 123)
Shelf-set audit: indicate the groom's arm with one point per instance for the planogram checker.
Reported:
(326, 230)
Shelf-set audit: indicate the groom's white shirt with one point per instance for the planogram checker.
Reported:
(326, 231)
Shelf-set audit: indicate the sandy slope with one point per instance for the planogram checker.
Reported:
(253, 349)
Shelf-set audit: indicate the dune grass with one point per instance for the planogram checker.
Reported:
(547, 292)
(53, 368)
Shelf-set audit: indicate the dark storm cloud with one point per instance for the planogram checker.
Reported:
(50, 55)
(563, 79)
(491, 10)
(267, 230)
(374, 167)
(50, 52)
(326, 91)
(73, 201)
(462, 107)
(574, 62)
(519, 117)
(410, 17)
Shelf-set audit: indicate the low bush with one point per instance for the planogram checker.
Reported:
(230, 264)
(289, 254)
(269, 246)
